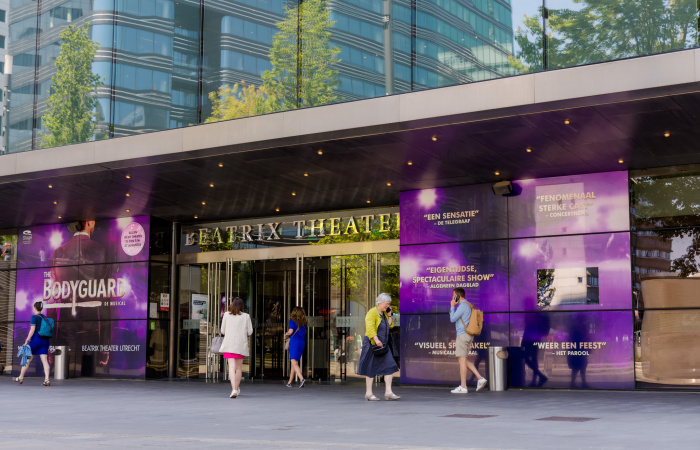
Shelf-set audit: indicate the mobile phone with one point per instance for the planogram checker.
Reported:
(388, 310)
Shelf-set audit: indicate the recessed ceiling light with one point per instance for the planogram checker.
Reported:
(368, 201)
(196, 217)
(434, 138)
(410, 163)
(128, 210)
(128, 195)
(620, 160)
(667, 134)
(204, 203)
(277, 209)
(529, 150)
(60, 217)
(306, 174)
(128, 176)
(567, 121)
(221, 164)
(55, 203)
(497, 172)
(50, 186)
(294, 193)
(320, 152)
(211, 184)
(388, 184)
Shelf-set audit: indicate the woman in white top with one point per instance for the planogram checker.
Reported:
(236, 327)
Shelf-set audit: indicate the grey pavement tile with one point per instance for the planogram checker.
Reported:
(88, 413)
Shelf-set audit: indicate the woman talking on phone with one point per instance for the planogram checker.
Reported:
(376, 358)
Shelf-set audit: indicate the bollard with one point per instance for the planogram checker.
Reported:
(60, 367)
(498, 373)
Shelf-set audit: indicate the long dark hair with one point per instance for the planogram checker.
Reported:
(299, 316)
(237, 306)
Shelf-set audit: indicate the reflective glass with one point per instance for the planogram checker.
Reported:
(238, 40)
(583, 32)
(156, 70)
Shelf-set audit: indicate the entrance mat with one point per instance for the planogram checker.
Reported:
(470, 416)
(568, 419)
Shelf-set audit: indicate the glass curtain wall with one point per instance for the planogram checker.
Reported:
(148, 65)
(666, 276)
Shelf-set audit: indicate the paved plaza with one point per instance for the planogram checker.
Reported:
(86, 414)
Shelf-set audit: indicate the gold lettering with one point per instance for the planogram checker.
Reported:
(368, 222)
(203, 236)
(231, 234)
(318, 227)
(335, 226)
(351, 225)
(398, 221)
(383, 221)
(260, 232)
(216, 236)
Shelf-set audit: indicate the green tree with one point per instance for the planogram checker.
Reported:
(670, 206)
(239, 100)
(602, 30)
(317, 60)
(71, 116)
(313, 70)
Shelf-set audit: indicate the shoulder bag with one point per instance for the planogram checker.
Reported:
(287, 338)
(216, 343)
(377, 350)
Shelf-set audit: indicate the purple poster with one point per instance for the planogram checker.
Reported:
(462, 213)
(92, 278)
(573, 204)
(429, 273)
(571, 272)
(428, 353)
(591, 349)
(123, 356)
(88, 242)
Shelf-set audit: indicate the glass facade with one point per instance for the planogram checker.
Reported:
(159, 64)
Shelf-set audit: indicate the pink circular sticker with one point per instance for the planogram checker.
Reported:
(133, 239)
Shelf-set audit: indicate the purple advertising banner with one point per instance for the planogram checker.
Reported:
(589, 349)
(89, 292)
(573, 204)
(428, 353)
(111, 349)
(95, 242)
(571, 272)
(429, 273)
(462, 213)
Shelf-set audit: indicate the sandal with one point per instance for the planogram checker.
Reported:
(18, 380)
(46, 383)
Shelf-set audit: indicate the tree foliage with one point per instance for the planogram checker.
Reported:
(601, 30)
(71, 116)
(317, 79)
(239, 100)
(670, 206)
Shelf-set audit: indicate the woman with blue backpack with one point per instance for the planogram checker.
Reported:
(40, 331)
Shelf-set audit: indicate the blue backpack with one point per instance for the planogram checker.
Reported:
(46, 328)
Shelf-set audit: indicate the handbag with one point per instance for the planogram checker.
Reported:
(287, 339)
(377, 350)
(216, 343)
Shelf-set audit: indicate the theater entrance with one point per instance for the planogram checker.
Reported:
(335, 291)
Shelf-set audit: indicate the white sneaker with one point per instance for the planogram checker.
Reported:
(481, 383)
(459, 390)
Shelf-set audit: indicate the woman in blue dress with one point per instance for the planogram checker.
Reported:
(297, 340)
(38, 344)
